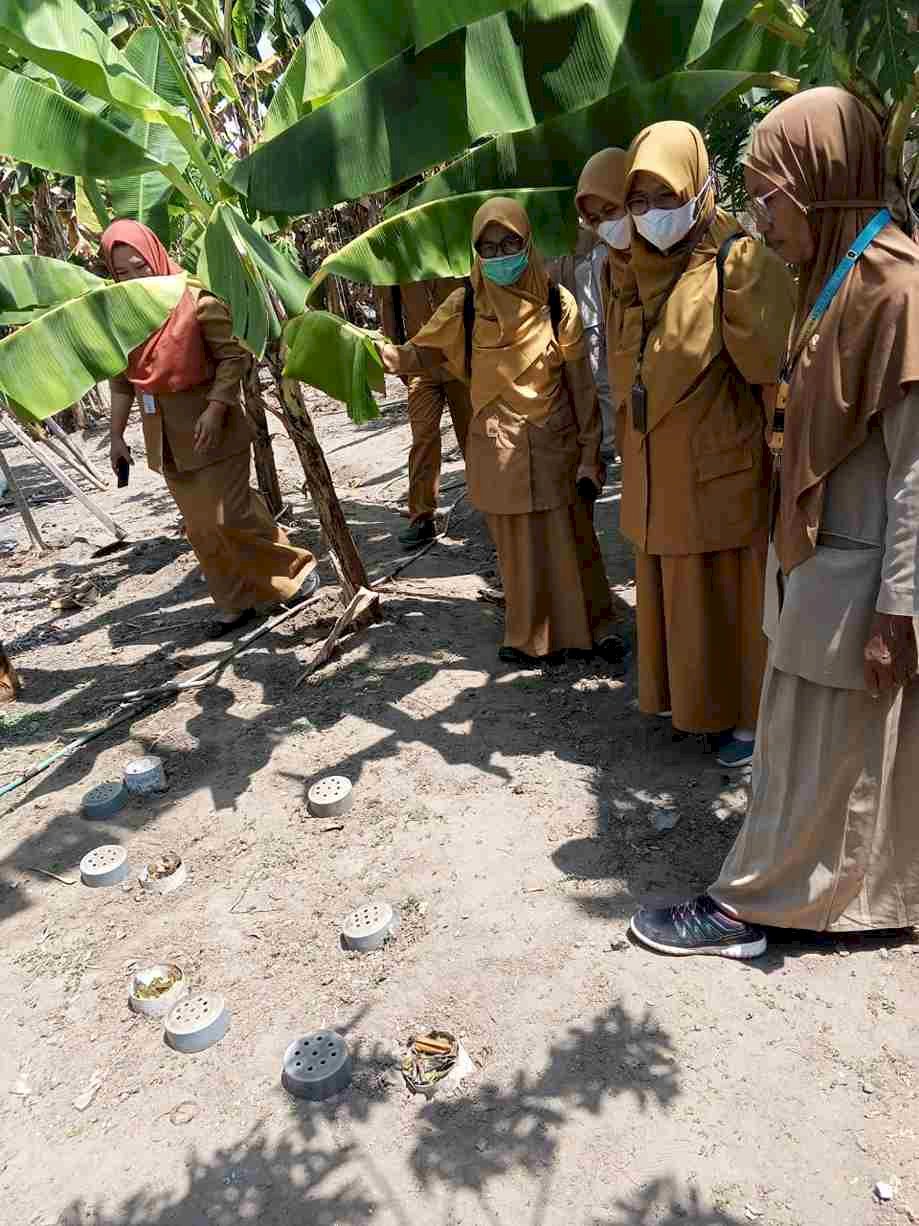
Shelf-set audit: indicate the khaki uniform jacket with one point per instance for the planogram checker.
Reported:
(697, 481)
(169, 431)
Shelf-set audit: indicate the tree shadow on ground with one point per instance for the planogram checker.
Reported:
(320, 1172)
(664, 1202)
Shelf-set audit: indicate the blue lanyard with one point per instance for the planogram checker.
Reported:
(843, 268)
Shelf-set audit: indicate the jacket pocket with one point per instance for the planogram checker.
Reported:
(724, 463)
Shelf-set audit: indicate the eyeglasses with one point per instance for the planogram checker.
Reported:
(759, 210)
(641, 204)
(508, 246)
(610, 212)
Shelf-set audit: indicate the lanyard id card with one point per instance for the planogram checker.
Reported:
(149, 402)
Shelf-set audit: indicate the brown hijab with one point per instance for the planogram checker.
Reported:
(512, 326)
(174, 358)
(604, 175)
(825, 149)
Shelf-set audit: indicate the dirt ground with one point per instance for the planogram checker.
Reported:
(509, 816)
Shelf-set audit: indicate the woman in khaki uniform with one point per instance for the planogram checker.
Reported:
(600, 201)
(187, 378)
(534, 435)
(830, 842)
(695, 473)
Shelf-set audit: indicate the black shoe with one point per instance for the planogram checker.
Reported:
(222, 630)
(417, 534)
(698, 926)
(613, 650)
(510, 655)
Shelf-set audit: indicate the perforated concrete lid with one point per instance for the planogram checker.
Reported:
(330, 797)
(106, 865)
(145, 775)
(197, 1022)
(104, 800)
(317, 1067)
(369, 927)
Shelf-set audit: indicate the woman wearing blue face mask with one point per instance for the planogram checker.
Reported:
(532, 452)
(704, 322)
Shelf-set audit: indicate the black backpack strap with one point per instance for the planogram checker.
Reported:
(400, 338)
(721, 259)
(468, 323)
(555, 307)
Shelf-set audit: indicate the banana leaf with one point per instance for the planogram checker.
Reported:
(234, 263)
(146, 197)
(51, 362)
(287, 105)
(434, 240)
(553, 154)
(42, 127)
(31, 284)
(338, 358)
(505, 73)
(59, 36)
(342, 44)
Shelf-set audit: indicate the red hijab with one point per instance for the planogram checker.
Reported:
(174, 358)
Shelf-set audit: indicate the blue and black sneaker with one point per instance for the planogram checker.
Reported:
(698, 926)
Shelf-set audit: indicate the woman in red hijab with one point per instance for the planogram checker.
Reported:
(186, 379)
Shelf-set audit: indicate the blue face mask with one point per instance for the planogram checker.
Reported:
(506, 269)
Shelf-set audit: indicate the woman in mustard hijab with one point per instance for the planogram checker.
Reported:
(692, 348)
(600, 201)
(534, 439)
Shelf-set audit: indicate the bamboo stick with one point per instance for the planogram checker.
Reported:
(78, 452)
(21, 505)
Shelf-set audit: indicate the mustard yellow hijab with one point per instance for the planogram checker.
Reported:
(512, 326)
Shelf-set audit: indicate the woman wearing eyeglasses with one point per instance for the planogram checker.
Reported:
(690, 356)
(600, 201)
(532, 452)
(830, 841)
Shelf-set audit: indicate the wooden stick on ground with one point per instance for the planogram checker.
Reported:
(21, 505)
(361, 603)
(66, 457)
(76, 451)
(20, 434)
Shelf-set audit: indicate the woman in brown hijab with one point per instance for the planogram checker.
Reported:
(687, 357)
(831, 842)
(534, 438)
(186, 377)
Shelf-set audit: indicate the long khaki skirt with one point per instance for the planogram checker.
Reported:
(831, 840)
(701, 649)
(246, 558)
(555, 585)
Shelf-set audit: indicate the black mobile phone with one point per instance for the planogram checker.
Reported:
(123, 470)
(587, 490)
(640, 408)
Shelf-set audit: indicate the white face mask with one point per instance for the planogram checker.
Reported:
(616, 233)
(664, 228)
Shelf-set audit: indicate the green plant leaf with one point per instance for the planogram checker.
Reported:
(146, 197)
(61, 37)
(30, 284)
(42, 127)
(553, 154)
(505, 73)
(235, 262)
(434, 239)
(287, 104)
(338, 358)
(223, 80)
(50, 363)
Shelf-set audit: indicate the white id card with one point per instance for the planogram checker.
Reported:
(148, 402)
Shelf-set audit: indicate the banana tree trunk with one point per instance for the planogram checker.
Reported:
(265, 467)
(319, 480)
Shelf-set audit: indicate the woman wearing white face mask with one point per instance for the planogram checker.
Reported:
(704, 321)
(600, 201)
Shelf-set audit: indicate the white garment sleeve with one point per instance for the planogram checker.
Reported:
(898, 594)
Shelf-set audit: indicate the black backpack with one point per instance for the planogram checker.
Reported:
(555, 315)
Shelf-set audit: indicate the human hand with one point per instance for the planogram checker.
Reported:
(118, 451)
(890, 653)
(594, 473)
(209, 426)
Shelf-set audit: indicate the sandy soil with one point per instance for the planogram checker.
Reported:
(510, 818)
